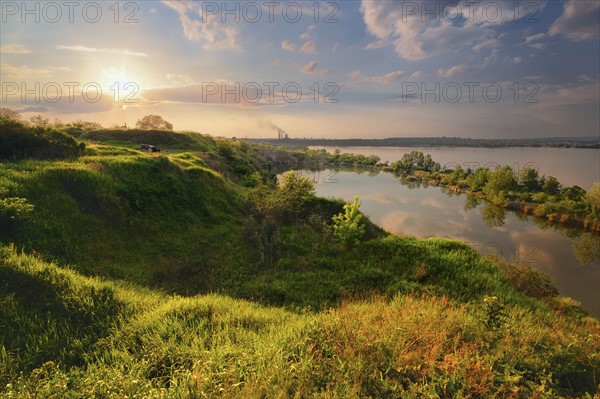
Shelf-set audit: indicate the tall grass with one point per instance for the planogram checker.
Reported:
(83, 337)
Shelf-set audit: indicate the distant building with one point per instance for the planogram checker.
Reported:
(281, 134)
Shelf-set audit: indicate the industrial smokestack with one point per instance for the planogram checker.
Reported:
(281, 134)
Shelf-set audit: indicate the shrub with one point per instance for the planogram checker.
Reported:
(18, 141)
(348, 227)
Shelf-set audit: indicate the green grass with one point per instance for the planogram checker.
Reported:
(155, 276)
(73, 336)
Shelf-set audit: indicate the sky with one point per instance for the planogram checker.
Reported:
(337, 69)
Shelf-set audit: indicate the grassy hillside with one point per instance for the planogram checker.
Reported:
(190, 274)
(73, 336)
(116, 212)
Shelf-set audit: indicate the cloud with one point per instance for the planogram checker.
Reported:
(309, 68)
(207, 28)
(490, 43)
(14, 49)
(513, 61)
(180, 79)
(534, 38)
(558, 102)
(416, 39)
(288, 45)
(420, 35)
(87, 49)
(375, 45)
(456, 70)
(23, 72)
(309, 34)
(538, 46)
(354, 74)
(308, 48)
(579, 21)
(385, 79)
(335, 47)
(533, 41)
(415, 75)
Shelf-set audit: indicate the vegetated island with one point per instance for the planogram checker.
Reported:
(194, 273)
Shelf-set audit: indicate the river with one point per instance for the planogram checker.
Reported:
(568, 256)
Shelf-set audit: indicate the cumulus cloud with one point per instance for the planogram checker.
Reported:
(418, 36)
(309, 68)
(288, 45)
(207, 28)
(308, 38)
(308, 48)
(309, 34)
(14, 49)
(579, 21)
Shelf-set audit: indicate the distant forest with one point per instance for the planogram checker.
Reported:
(565, 142)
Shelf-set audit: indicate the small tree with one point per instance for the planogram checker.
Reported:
(501, 181)
(294, 192)
(150, 122)
(529, 179)
(348, 227)
(39, 121)
(551, 186)
(593, 197)
(9, 114)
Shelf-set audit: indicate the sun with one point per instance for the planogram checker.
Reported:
(117, 78)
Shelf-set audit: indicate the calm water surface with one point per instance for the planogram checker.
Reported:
(567, 256)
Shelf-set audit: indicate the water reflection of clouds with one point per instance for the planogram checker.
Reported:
(409, 223)
(382, 198)
(548, 246)
(434, 203)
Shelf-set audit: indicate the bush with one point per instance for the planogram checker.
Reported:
(348, 227)
(18, 141)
